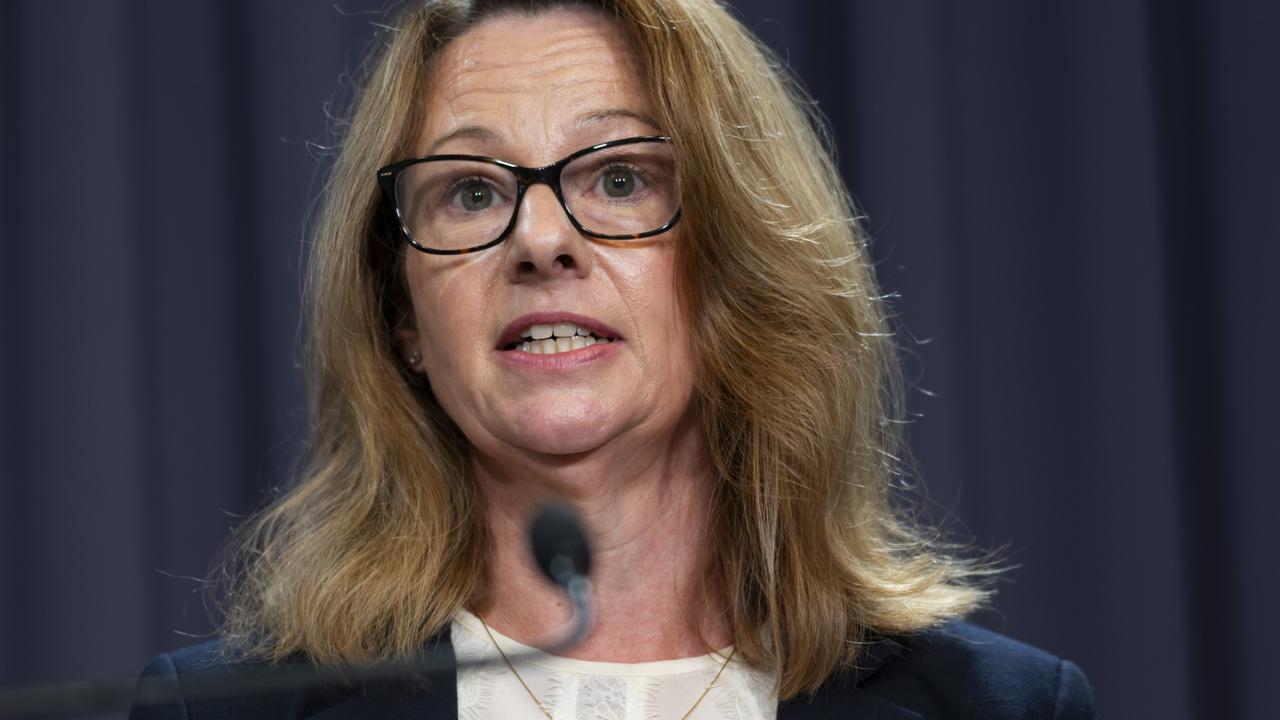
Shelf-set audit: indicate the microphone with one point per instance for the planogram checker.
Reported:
(559, 546)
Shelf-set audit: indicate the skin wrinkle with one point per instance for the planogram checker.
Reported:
(483, 134)
(619, 437)
(482, 84)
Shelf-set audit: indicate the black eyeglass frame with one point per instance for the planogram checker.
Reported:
(526, 177)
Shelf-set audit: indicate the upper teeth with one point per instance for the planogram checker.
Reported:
(566, 330)
(561, 337)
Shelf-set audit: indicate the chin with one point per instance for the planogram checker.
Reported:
(572, 439)
(563, 433)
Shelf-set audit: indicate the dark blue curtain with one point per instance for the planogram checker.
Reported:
(1074, 202)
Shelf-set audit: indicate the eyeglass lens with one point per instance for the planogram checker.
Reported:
(624, 190)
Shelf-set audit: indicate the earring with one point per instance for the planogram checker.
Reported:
(415, 358)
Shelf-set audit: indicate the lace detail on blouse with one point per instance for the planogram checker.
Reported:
(586, 690)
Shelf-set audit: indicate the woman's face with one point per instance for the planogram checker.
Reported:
(531, 90)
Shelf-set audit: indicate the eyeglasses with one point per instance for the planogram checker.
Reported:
(453, 204)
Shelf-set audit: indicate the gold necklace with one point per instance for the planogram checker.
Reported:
(546, 712)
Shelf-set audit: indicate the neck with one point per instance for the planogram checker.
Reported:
(646, 514)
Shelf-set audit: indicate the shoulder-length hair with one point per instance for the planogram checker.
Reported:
(383, 538)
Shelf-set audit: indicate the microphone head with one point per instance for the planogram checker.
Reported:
(559, 544)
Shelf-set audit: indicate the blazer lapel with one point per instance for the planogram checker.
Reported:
(416, 699)
(404, 702)
(844, 697)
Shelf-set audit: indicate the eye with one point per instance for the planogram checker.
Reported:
(473, 195)
(618, 181)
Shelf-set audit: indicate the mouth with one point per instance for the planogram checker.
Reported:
(551, 334)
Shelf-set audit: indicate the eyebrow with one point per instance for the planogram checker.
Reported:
(598, 116)
(595, 117)
(474, 132)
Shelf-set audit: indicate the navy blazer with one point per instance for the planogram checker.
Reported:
(957, 670)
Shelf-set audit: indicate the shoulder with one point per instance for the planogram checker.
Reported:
(961, 670)
(209, 682)
(164, 689)
(203, 657)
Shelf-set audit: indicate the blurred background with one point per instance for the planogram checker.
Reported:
(1075, 205)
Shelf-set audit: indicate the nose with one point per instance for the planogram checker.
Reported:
(544, 244)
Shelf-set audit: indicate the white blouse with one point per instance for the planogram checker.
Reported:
(588, 690)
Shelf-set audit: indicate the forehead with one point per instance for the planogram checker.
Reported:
(535, 82)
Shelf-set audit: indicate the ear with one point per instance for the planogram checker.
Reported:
(410, 353)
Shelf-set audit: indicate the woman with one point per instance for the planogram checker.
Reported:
(609, 262)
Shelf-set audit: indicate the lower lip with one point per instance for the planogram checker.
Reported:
(568, 360)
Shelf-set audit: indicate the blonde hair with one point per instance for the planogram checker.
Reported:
(382, 540)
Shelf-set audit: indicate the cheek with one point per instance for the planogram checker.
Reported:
(681, 352)
(668, 347)
(679, 359)
(444, 297)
